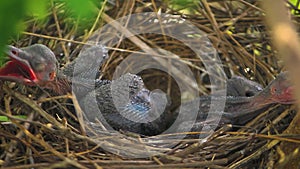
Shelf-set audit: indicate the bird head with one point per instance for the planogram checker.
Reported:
(281, 89)
(32, 65)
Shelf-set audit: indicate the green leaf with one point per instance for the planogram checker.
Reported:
(37, 8)
(11, 14)
(81, 8)
(6, 119)
(295, 3)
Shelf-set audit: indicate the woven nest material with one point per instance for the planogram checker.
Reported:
(52, 135)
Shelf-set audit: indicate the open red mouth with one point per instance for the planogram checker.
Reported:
(17, 69)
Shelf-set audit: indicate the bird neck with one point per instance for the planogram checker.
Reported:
(59, 85)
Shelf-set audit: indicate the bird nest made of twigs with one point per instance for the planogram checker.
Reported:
(52, 136)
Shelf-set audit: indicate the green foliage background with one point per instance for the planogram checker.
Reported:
(14, 13)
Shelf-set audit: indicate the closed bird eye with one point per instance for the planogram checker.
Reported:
(52, 75)
(273, 90)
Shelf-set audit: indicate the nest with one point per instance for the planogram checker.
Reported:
(53, 136)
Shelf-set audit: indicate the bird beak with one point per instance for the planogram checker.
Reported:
(18, 67)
